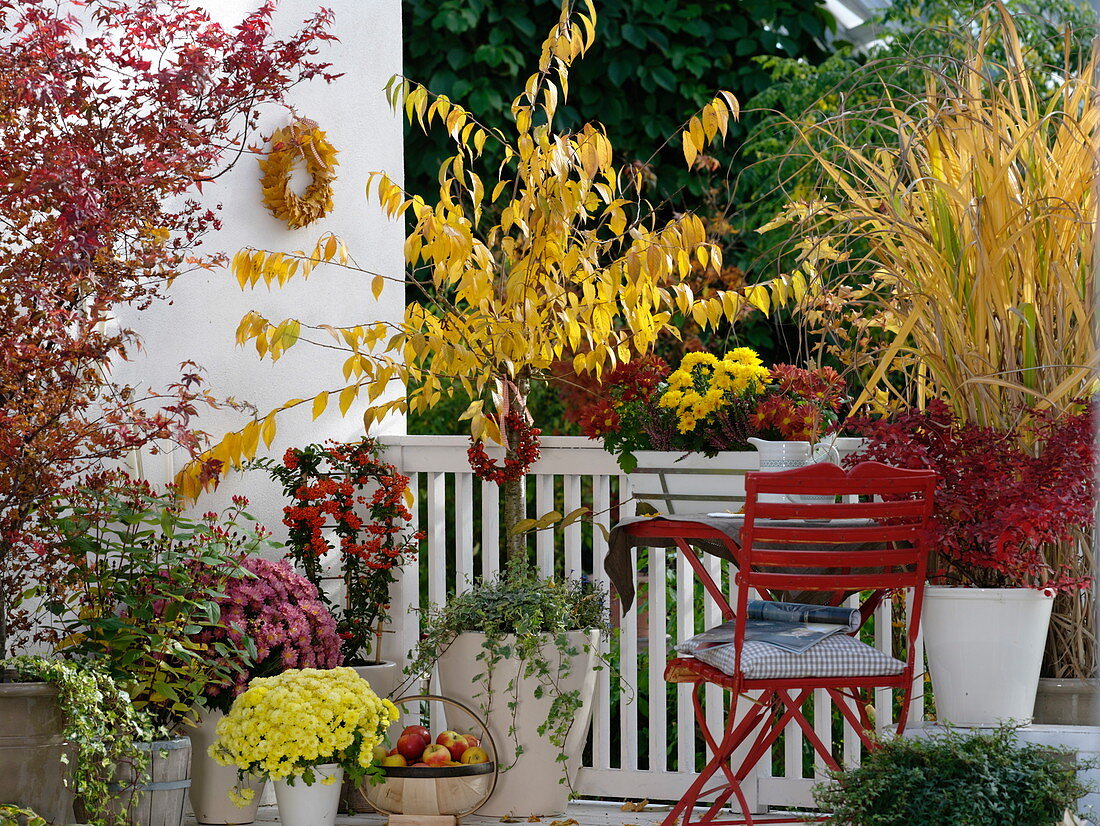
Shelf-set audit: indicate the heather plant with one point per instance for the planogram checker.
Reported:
(1005, 498)
(280, 613)
(346, 491)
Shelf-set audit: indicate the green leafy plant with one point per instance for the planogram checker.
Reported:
(11, 815)
(960, 778)
(525, 619)
(143, 584)
(100, 721)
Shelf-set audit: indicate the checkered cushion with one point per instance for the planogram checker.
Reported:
(835, 656)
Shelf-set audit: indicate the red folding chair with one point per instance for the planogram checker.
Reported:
(882, 551)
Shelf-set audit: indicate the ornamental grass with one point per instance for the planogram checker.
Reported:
(972, 234)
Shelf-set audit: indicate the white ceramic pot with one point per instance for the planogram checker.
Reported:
(314, 805)
(212, 782)
(787, 455)
(383, 677)
(530, 787)
(985, 649)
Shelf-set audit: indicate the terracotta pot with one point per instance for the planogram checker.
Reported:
(32, 772)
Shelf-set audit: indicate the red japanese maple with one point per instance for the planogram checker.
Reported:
(108, 125)
(1002, 498)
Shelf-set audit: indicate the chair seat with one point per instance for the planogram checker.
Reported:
(835, 656)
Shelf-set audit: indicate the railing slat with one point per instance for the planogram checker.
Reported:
(658, 745)
(571, 493)
(490, 529)
(601, 712)
(464, 531)
(628, 700)
(685, 629)
(544, 539)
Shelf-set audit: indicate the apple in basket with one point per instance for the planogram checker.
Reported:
(454, 742)
(436, 755)
(394, 760)
(421, 730)
(475, 754)
(472, 741)
(411, 745)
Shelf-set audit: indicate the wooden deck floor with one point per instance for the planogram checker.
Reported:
(581, 813)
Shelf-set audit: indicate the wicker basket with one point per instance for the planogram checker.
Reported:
(443, 790)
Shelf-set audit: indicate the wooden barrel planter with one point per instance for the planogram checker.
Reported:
(32, 772)
(160, 799)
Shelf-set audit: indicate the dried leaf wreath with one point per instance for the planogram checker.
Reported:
(302, 139)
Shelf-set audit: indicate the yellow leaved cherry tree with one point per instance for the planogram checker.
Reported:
(555, 255)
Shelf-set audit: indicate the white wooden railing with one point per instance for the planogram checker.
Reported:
(643, 742)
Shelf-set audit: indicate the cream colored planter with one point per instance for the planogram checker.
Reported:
(985, 648)
(531, 786)
(212, 782)
(382, 677)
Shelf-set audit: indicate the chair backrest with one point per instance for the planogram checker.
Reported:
(883, 546)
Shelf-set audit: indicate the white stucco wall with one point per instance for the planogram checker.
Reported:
(206, 307)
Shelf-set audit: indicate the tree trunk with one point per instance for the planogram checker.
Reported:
(515, 493)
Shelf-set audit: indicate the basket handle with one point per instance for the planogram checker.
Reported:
(413, 698)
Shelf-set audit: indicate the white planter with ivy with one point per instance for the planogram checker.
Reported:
(534, 780)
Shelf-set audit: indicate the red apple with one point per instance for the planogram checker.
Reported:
(436, 755)
(454, 742)
(411, 745)
(475, 754)
(472, 741)
(421, 730)
(394, 760)
(392, 751)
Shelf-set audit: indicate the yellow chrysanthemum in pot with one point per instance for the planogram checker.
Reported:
(286, 727)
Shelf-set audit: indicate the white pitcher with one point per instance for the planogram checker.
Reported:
(785, 455)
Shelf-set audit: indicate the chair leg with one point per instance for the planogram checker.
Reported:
(732, 738)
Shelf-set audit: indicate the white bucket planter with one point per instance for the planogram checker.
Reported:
(671, 482)
(315, 805)
(531, 786)
(212, 782)
(985, 649)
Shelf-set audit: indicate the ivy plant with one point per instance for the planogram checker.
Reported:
(100, 721)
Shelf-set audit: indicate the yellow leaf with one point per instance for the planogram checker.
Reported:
(320, 402)
(347, 396)
(268, 430)
(690, 152)
(376, 285)
(757, 295)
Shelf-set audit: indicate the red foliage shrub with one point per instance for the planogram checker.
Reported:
(1002, 497)
(107, 125)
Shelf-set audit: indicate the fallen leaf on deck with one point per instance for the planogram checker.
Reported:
(569, 822)
(634, 807)
(534, 819)
(508, 819)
